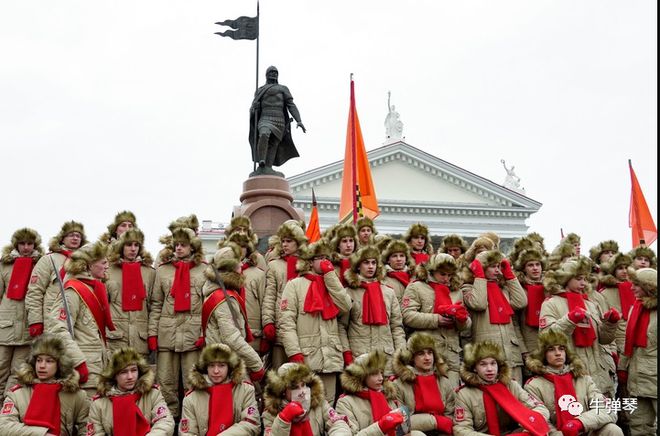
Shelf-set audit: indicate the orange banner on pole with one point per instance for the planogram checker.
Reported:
(358, 195)
(313, 227)
(640, 219)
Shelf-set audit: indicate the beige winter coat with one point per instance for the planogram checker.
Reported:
(610, 298)
(275, 282)
(530, 335)
(14, 327)
(43, 288)
(255, 291)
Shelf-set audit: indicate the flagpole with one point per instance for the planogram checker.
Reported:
(353, 153)
(256, 87)
(633, 205)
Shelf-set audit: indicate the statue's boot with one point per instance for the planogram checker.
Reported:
(270, 160)
(262, 150)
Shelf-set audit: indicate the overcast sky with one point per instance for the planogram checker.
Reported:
(112, 105)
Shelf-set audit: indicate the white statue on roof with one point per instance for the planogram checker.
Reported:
(512, 181)
(393, 126)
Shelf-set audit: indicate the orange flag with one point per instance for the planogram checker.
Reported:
(640, 219)
(358, 195)
(313, 228)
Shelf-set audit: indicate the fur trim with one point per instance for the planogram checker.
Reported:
(243, 241)
(343, 231)
(403, 363)
(490, 258)
(561, 254)
(82, 258)
(122, 216)
(52, 346)
(443, 262)
(380, 241)
(239, 221)
(55, 243)
(647, 279)
(131, 235)
(519, 245)
(353, 379)
(644, 251)
(478, 245)
(330, 233)
(289, 375)
(529, 255)
(317, 249)
(536, 362)
(187, 236)
(10, 252)
(453, 240)
(539, 241)
(555, 281)
(473, 353)
(366, 222)
(595, 252)
(493, 237)
(216, 353)
(419, 229)
(572, 238)
(367, 252)
(189, 222)
(225, 261)
(291, 230)
(608, 269)
(120, 359)
(397, 246)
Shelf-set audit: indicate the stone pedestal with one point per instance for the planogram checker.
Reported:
(268, 202)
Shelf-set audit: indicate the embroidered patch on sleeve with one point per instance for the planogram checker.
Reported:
(284, 304)
(543, 323)
(90, 429)
(161, 412)
(405, 302)
(62, 316)
(459, 414)
(251, 411)
(34, 279)
(7, 407)
(184, 426)
(268, 432)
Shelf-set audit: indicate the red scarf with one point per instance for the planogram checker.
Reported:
(626, 297)
(127, 418)
(379, 406)
(67, 254)
(20, 276)
(637, 327)
(528, 419)
(245, 265)
(374, 311)
(303, 428)
(221, 408)
(535, 297)
(582, 336)
(44, 407)
(499, 309)
(344, 265)
(95, 300)
(133, 293)
(402, 276)
(291, 272)
(318, 299)
(214, 300)
(442, 297)
(420, 258)
(563, 386)
(181, 286)
(427, 395)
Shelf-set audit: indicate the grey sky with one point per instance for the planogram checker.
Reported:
(106, 106)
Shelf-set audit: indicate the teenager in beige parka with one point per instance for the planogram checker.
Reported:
(399, 267)
(366, 232)
(220, 400)
(418, 239)
(344, 244)
(643, 257)
(16, 263)
(124, 221)
(127, 400)
(241, 225)
(453, 245)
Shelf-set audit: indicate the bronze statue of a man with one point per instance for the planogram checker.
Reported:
(269, 117)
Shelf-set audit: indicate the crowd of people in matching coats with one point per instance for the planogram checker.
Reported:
(354, 334)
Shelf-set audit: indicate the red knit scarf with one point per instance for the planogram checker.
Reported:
(563, 386)
(127, 418)
(44, 407)
(133, 293)
(102, 296)
(528, 419)
(582, 336)
(427, 395)
(442, 297)
(221, 408)
(67, 254)
(420, 258)
(245, 265)
(499, 309)
(374, 311)
(626, 297)
(181, 286)
(20, 276)
(379, 406)
(344, 265)
(318, 299)
(402, 276)
(302, 428)
(291, 272)
(535, 297)
(637, 327)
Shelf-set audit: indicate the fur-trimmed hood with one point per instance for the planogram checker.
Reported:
(525, 256)
(290, 229)
(419, 229)
(519, 245)
(353, 379)
(307, 255)
(453, 240)
(366, 222)
(189, 222)
(121, 217)
(555, 281)
(608, 269)
(343, 231)
(120, 359)
(561, 254)
(352, 275)
(647, 279)
(397, 246)
(55, 244)
(486, 258)
(536, 360)
(225, 261)
(185, 235)
(443, 262)
(595, 252)
(10, 252)
(644, 251)
(117, 248)
(479, 244)
(242, 225)
(52, 346)
(473, 353)
(198, 376)
(82, 258)
(289, 375)
(403, 364)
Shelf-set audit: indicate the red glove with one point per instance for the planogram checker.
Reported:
(297, 358)
(264, 346)
(269, 332)
(577, 315)
(36, 329)
(257, 376)
(461, 315)
(445, 310)
(84, 372)
(615, 357)
(444, 424)
(199, 343)
(326, 266)
(477, 269)
(612, 315)
(348, 357)
(292, 411)
(622, 376)
(507, 272)
(572, 427)
(152, 343)
(390, 421)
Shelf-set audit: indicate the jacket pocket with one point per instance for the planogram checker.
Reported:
(7, 333)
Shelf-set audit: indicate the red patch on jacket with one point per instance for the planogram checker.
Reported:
(90, 429)
(543, 323)
(161, 412)
(251, 410)
(34, 279)
(406, 302)
(7, 408)
(459, 414)
(62, 316)
(284, 304)
(184, 426)
(268, 432)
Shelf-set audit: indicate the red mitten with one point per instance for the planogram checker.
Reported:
(292, 411)
(152, 343)
(622, 376)
(36, 329)
(443, 424)
(445, 310)
(84, 372)
(572, 427)
(577, 315)
(612, 315)
(348, 358)
(477, 269)
(257, 376)
(199, 343)
(297, 358)
(507, 272)
(326, 266)
(269, 332)
(461, 315)
(390, 421)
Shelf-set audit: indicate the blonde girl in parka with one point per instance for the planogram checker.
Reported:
(130, 284)
(295, 405)
(220, 399)
(370, 400)
(639, 360)
(490, 402)
(571, 310)
(47, 399)
(434, 304)
(127, 401)
(399, 267)
(558, 372)
(16, 264)
(423, 386)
